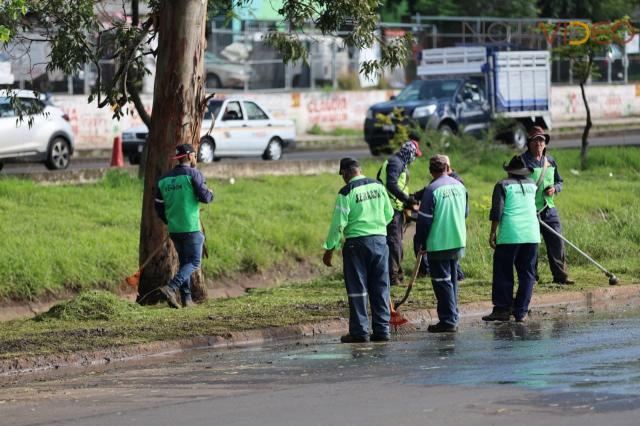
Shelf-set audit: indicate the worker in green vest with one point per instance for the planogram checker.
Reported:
(514, 236)
(549, 184)
(441, 231)
(178, 196)
(394, 175)
(361, 215)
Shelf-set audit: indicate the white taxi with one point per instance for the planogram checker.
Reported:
(242, 128)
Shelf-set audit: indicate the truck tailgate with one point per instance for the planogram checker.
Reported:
(521, 81)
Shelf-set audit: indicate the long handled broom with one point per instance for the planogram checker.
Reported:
(134, 280)
(613, 280)
(398, 320)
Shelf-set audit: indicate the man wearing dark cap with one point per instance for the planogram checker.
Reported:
(549, 184)
(361, 215)
(177, 196)
(514, 237)
(441, 231)
(394, 175)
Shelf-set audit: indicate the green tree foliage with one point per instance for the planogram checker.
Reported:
(585, 42)
(11, 11)
(77, 35)
(596, 11)
(504, 9)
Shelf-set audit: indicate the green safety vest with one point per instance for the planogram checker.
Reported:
(541, 197)
(519, 222)
(448, 230)
(362, 209)
(403, 184)
(180, 203)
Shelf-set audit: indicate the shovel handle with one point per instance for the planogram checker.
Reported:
(414, 276)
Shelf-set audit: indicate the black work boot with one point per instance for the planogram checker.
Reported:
(497, 314)
(442, 327)
(348, 338)
(565, 281)
(187, 301)
(380, 337)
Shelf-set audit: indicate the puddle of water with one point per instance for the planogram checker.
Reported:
(584, 353)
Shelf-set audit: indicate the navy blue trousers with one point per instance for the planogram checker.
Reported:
(555, 245)
(366, 276)
(444, 279)
(394, 241)
(505, 256)
(424, 268)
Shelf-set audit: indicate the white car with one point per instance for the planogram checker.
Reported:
(221, 73)
(48, 139)
(242, 129)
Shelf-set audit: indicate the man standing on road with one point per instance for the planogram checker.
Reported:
(394, 175)
(177, 196)
(362, 213)
(549, 183)
(513, 216)
(441, 231)
(424, 265)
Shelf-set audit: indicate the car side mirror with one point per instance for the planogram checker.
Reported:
(392, 98)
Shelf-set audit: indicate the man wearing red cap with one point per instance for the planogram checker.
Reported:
(178, 194)
(549, 184)
(394, 175)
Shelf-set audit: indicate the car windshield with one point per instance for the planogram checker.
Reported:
(214, 107)
(428, 89)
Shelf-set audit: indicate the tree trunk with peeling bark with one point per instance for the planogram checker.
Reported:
(178, 107)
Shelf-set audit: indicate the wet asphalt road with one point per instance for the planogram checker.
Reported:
(570, 371)
(627, 139)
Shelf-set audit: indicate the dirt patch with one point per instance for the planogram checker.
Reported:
(240, 284)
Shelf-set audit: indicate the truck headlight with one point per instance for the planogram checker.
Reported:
(370, 114)
(423, 111)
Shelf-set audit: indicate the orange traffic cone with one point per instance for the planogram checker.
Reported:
(117, 159)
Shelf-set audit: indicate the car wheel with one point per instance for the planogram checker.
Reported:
(134, 159)
(274, 150)
(213, 81)
(206, 151)
(446, 131)
(59, 154)
(518, 136)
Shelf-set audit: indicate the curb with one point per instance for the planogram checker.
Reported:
(470, 313)
(212, 171)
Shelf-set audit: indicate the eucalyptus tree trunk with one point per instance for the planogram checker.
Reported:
(178, 106)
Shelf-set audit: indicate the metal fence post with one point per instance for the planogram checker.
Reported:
(87, 73)
(333, 64)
